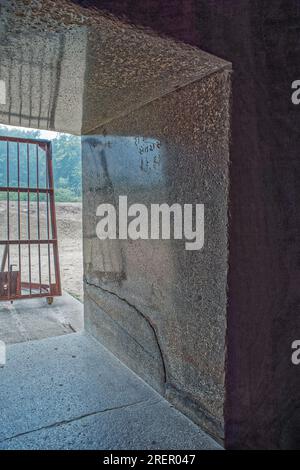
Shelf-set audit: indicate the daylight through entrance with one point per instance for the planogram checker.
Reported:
(29, 261)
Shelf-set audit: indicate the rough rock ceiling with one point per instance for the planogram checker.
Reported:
(73, 68)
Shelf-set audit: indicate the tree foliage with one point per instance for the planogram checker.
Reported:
(66, 152)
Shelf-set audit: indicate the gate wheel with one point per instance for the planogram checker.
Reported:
(49, 300)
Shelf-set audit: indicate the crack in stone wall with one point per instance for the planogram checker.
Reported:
(139, 312)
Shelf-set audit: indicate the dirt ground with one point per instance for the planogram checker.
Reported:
(69, 226)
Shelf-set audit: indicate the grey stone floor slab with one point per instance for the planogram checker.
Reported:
(32, 319)
(69, 392)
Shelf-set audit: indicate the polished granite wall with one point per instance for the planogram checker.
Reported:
(160, 308)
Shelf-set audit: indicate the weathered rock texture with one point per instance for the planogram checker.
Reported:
(262, 40)
(159, 308)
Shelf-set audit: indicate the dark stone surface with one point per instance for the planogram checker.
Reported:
(262, 40)
(73, 69)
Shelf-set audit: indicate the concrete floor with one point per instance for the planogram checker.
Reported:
(33, 319)
(63, 390)
(68, 392)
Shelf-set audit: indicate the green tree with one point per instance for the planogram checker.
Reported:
(66, 152)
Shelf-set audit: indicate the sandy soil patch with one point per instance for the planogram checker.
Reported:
(69, 226)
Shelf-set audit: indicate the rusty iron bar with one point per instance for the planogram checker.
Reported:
(15, 189)
(8, 220)
(26, 242)
(48, 228)
(40, 142)
(28, 217)
(53, 219)
(38, 215)
(19, 209)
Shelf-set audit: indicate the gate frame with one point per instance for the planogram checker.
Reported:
(46, 290)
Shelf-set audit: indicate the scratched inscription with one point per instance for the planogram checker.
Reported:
(149, 153)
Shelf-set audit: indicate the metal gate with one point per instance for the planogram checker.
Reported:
(28, 234)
